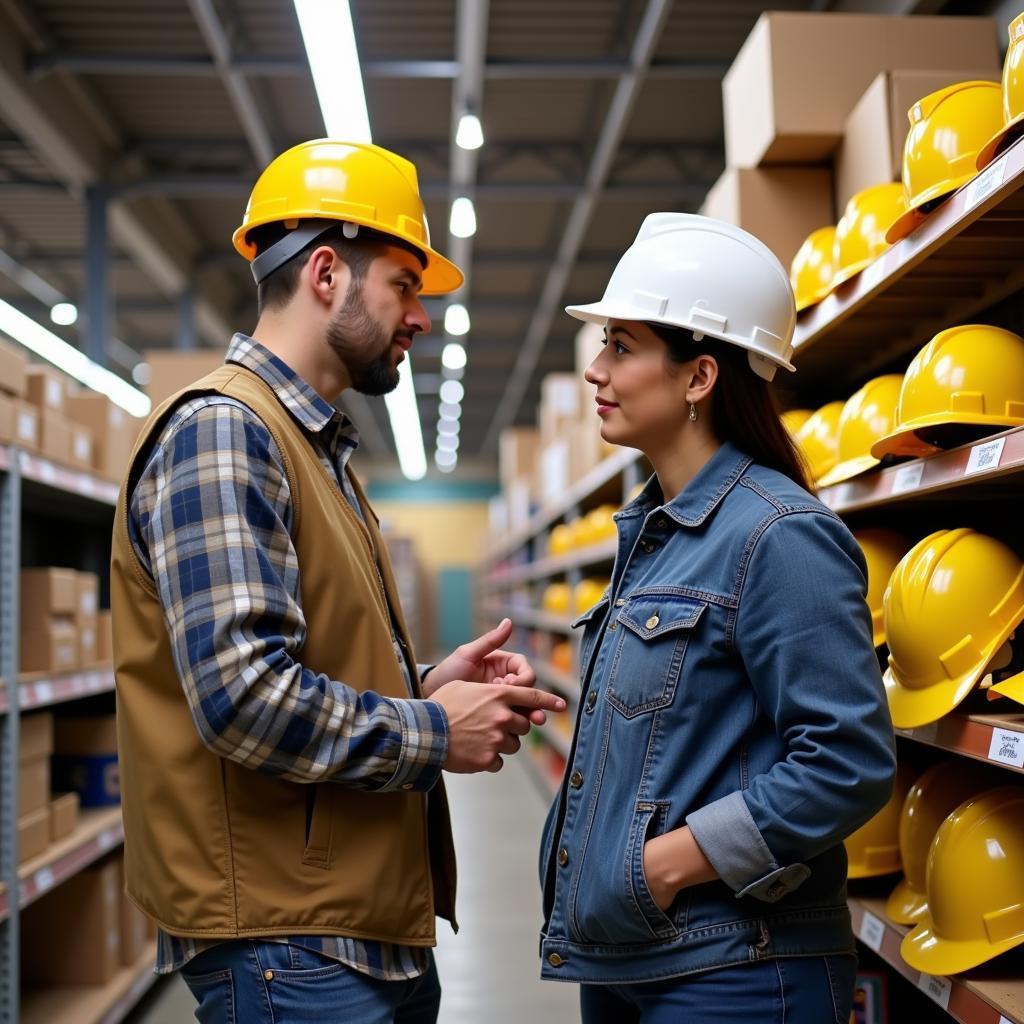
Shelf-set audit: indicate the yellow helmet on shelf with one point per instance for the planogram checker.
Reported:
(330, 181)
(860, 233)
(557, 598)
(587, 593)
(874, 849)
(975, 886)
(969, 376)
(794, 419)
(1012, 94)
(818, 439)
(951, 603)
(560, 541)
(932, 798)
(947, 131)
(883, 550)
(867, 416)
(811, 271)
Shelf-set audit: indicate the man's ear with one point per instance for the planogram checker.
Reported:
(326, 273)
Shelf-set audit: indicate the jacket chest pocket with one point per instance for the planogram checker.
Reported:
(654, 633)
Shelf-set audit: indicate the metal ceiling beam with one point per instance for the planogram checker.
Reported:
(626, 93)
(238, 88)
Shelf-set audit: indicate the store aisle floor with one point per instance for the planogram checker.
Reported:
(490, 970)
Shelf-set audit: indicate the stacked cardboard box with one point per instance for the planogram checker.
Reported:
(35, 745)
(113, 431)
(49, 602)
(63, 816)
(19, 421)
(87, 618)
(171, 370)
(85, 759)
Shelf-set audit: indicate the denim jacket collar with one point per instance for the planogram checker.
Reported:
(701, 496)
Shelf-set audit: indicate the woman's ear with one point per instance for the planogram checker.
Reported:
(703, 377)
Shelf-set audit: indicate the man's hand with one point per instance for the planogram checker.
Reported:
(484, 721)
(483, 661)
(672, 862)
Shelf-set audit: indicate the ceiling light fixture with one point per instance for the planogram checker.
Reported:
(470, 133)
(448, 427)
(462, 223)
(446, 460)
(449, 411)
(448, 443)
(64, 314)
(452, 391)
(453, 357)
(456, 319)
(405, 424)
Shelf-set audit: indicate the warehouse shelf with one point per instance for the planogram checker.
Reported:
(98, 832)
(544, 568)
(987, 464)
(532, 619)
(964, 258)
(988, 996)
(42, 689)
(92, 1004)
(61, 478)
(552, 678)
(599, 477)
(994, 739)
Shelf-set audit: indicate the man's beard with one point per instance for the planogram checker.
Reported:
(364, 345)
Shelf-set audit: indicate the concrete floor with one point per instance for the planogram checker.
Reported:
(489, 971)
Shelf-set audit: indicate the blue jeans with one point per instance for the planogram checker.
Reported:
(254, 982)
(802, 990)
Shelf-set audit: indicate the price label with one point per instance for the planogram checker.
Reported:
(908, 478)
(105, 840)
(85, 485)
(985, 456)
(937, 989)
(1007, 748)
(47, 472)
(44, 879)
(44, 693)
(985, 184)
(839, 496)
(872, 931)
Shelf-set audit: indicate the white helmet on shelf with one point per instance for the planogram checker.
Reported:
(712, 278)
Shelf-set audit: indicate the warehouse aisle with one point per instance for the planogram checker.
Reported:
(490, 969)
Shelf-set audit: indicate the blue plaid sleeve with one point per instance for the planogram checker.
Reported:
(210, 521)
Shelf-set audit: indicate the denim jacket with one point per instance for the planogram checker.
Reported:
(729, 683)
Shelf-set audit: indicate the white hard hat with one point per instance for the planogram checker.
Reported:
(710, 277)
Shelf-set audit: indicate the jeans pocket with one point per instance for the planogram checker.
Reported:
(842, 978)
(648, 823)
(214, 994)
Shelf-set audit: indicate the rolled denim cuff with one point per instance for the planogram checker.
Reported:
(728, 836)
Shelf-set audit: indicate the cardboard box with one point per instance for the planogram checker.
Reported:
(35, 735)
(26, 425)
(33, 786)
(559, 406)
(63, 816)
(33, 834)
(47, 592)
(82, 446)
(134, 930)
(87, 645)
(72, 936)
(798, 75)
(779, 205)
(55, 436)
(518, 498)
(13, 370)
(555, 470)
(46, 388)
(104, 638)
(586, 448)
(170, 371)
(50, 647)
(85, 759)
(6, 419)
(88, 603)
(873, 136)
(113, 431)
(517, 453)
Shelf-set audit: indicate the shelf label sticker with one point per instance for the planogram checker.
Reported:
(936, 988)
(44, 693)
(872, 931)
(106, 840)
(985, 183)
(1007, 748)
(908, 478)
(44, 880)
(47, 472)
(985, 456)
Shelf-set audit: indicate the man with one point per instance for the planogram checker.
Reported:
(285, 822)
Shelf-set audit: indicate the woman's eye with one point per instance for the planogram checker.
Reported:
(620, 349)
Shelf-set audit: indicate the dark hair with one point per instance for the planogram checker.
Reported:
(276, 290)
(743, 407)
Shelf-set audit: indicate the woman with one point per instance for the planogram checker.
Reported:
(733, 727)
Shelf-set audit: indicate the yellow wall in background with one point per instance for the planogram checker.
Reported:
(447, 534)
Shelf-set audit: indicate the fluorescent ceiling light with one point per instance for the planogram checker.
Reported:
(64, 314)
(470, 133)
(330, 43)
(141, 374)
(449, 411)
(454, 356)
(448, 443)
(452, 391)
(48, 346)
(447, 426)
(446, 460)
(405, 424)
(462, 223)
(456, 319)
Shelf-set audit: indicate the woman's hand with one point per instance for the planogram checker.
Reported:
(673, 862)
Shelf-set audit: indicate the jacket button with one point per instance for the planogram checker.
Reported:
(268, 975)
(576, 780)
(555, 960)
(563, 857)
(661, 524)
(652, 622)
(591, 700)
(647, 546)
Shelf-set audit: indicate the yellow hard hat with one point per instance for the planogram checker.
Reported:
(557, 598)
(867, 416)
(1013, 96)
(818, 439)
(874, 849)
(587, 593)
(794, 419)
(560, 541)
(883, 550)
(860, 233)
(600, 525)
(975, 886)
(947, 130)
(326, 181)
(932, 798)
(951, 603)
(811, 271)
(970, 376)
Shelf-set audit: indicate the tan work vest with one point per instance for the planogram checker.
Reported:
(215, 850)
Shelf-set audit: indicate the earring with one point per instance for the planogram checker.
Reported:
(693, 413)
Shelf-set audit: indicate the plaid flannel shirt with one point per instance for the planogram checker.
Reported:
(209, 520)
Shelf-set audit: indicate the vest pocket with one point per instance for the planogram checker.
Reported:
(319, 818)
(654, 630)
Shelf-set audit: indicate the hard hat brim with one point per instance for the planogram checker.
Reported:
(907, 222)
(904, 441)
(806, 301)
(848, 470)
(847, 273)
(1000, 142)
(858, 870)
(1012, 688)
(906, 905)
(926, 951)
(911, 708)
